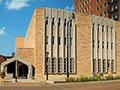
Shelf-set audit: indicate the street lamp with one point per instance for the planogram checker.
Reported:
(47, 53)
(68, 42)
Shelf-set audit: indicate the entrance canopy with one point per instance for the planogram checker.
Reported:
(16, 59)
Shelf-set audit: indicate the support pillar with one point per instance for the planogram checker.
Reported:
(16, 68)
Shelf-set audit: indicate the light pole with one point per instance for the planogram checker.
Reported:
(68, 42)
(47, 53)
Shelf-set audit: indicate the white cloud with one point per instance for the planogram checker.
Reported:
(2, 31)
(70, 8)
(17, 4)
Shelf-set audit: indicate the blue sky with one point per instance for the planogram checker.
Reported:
(15, 16)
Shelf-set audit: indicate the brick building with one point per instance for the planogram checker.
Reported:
(105, 8)
(92, 41)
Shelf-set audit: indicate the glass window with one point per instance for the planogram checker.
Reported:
(53, 22)
(46, 39)
(112, 45)
(87, 8)
(96, 1)
(59, 40)
(98, 27)
(59, 23)
(104, 4)
(100, 0)
(65, 23)
(102, 28)
(47, 20)
(90, 5)
(70, 23)
(107, 29)
(70, 41)
(93, 43)
(80, 0)
(85, 3)
(103, 44)
(93, 26)
(80, 7)
(65, 41)
(111, 29)
(100, 14)
(90, 12)
(53, 40)
(98, 44)
(104, 13)
(100, 7)
(107, 45)
(97, 9)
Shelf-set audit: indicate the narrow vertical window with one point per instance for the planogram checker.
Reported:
(112, 45)
(103, 44)
(111, 29)
(47, 20)
(98, 27)
(59, 23)
(96, 1)
(98, 44)
(107, 29)
(70, 23)
(102, 28)
(90, 12)
(53, 22)
(93, 26)
(93, 43)
(65, 41)
(46, 39)
(107, 45)
(65, 23)
(100, 14)
(59, 40)
(70, 41)
(53, 40)
(90, 5)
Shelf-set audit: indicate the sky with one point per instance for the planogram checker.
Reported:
(15, 16)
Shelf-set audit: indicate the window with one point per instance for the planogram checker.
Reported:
(76, 4)
(93, 43)
(96, 1)
(112, 8)
(104, 13)
(53, 22)
(102, 28)
(99, 65)
(80, 0)
(100, 0)
(46, 39)
(46, 20)
(65, 41)
(90, 12)
(111, 29)
(116, 6)
(65, 65)
(107, 29)
(100, 7)
(82, 11)
(98, 27)
(87, 8)
(100, 14)
(98, 44)
(97, 9)
(103, 44)
(53, 40)
(80, 7)
(112, 1)
(59, 23)
(117, 16)
(104, 4)
(70, 41)
(104, 65)
(90, 0)
(90, 5)
(94, 65)
(85, 2)
(112, 66)
(107, 45)
(108, 64)
(112, 45)
(93, 26)
(70, 23)
(65, 23)
(59, 40)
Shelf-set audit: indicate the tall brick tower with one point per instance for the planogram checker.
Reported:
(105, 8)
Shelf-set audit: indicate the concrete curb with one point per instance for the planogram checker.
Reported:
(50, 82)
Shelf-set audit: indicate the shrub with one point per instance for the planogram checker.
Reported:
(83, 79)
(97, 78)
(110, 78)
(70, 79)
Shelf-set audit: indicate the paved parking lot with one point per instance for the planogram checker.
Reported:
(106, 85)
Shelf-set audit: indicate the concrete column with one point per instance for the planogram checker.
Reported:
(16, 68)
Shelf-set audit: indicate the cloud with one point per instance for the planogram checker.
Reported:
(69, 8)
(2, 31)
(17, 4)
